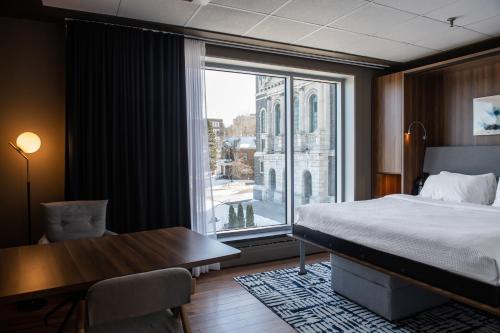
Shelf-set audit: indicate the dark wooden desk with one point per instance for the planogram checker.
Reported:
(28, 272)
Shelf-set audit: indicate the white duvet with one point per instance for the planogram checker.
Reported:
(462, 238)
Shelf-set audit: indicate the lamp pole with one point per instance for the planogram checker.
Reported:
(28, 143)
(28, 187)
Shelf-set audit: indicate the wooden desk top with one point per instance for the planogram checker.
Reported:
(43, 270)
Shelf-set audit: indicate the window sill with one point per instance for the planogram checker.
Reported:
(263, 232)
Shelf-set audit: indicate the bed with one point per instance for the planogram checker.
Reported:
(450, 248)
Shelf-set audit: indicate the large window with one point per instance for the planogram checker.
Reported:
(250, 151)
(249, 161)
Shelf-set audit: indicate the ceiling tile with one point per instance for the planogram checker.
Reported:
(318, 11)
(467, 11)
(330, 39)
(281, 30)
(415, 6)
(416, 29)
(164, 11)
(371, 46)
(226, 20)
(489, 26)
(108, 7)
(260, 6)
(453, 37)
(406, 53)
(373, 19)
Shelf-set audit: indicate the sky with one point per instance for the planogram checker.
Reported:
(229, 95)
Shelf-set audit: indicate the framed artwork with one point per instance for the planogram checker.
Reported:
(486, 115)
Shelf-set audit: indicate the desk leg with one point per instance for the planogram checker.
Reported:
(302, 251)
(193, 286)
(80, 320)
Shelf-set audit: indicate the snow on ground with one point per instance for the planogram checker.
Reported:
(226, 193)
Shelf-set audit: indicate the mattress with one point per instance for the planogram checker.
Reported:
(461, 238)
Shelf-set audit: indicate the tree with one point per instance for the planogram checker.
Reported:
(250, 222)
(212, 146)
(232, 218)
(241, 170)
(241, 217)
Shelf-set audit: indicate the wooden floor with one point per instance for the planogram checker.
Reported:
(219, 305)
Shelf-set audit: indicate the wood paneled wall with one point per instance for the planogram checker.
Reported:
(461, 84)
(387, 122)
(422, 102)
(442, 100)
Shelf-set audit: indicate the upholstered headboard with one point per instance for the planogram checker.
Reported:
(472, 160)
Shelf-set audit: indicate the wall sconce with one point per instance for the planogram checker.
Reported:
(416, 122)
(27, 143)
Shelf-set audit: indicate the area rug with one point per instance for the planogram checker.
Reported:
(308, 304)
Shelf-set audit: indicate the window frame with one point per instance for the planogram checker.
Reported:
(290, 76)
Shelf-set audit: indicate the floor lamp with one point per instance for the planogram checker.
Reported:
(27, 143)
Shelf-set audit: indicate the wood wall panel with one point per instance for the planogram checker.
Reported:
(387, 123)
(422, 99)
(442, 100)
(461, 84)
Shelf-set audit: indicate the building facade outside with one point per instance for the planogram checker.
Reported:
(314, 141)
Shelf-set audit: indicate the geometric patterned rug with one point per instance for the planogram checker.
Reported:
(308, 304)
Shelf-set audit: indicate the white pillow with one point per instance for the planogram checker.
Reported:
(457, 187)
(497, 197)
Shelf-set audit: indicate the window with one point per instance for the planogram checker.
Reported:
(248, 190)
(277, 119)
(316, 182)
(313, 113)
(250, 178)
(296, 114)
(263, 124)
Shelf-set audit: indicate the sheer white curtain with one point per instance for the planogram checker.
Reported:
(200, 181)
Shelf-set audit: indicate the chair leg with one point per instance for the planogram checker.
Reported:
(57, 307)
(76, 301)
(184, 320)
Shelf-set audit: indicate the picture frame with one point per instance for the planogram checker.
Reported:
(486, 115)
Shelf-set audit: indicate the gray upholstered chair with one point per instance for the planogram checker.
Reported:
(66, 220)
(144, 302)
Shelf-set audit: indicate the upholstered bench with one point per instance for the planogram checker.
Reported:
(386, 295)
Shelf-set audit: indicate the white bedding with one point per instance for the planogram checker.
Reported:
(462, 238)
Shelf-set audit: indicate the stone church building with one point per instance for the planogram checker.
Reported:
(314, 141)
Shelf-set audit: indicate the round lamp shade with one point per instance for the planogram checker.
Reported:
(29, 142)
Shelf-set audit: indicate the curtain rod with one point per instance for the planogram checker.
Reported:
(243, 46)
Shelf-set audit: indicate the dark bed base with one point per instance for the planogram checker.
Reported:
(432, 276)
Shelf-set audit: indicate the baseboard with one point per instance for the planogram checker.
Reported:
(268, 249)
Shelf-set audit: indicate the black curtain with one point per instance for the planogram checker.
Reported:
(126, 137)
